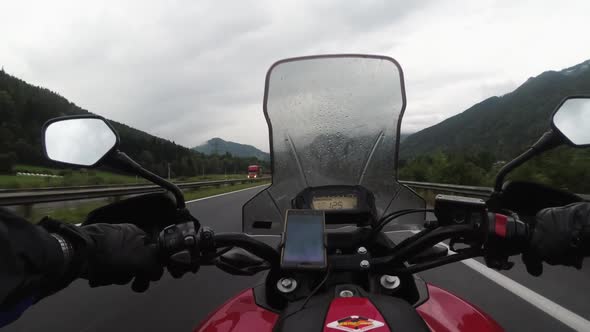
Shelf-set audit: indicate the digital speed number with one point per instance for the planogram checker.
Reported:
(343, 202)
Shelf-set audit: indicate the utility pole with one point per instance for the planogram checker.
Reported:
(168, 171)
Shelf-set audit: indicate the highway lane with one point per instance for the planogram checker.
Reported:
(169, 305)
(178, 305)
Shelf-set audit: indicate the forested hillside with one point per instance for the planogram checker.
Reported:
(24, 108)
(470, 147)
(502, 125)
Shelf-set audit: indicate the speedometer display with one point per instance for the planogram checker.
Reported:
(340, 202)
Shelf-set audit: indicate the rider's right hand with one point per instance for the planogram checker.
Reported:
(560, 236)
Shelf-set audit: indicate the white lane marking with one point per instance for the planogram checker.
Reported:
(228, 193)
(567, 317)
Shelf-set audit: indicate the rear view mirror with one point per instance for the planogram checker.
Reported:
(572, 120)
(79, 140)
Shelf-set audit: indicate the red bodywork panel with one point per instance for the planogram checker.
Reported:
(446, 312)
(239, 314)
(442, 312)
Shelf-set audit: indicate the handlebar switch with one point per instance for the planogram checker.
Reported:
(182, 257)
(506, 237)
(171, 239)
(507, 227)
(179, 243)
(207, 239)
(459, 210)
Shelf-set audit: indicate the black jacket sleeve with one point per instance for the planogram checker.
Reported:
(31, 261)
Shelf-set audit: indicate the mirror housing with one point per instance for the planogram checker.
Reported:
(89, 140)
(79, 140)
(565, 128)
(571, 120)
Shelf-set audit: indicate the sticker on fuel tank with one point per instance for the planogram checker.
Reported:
(355, 323)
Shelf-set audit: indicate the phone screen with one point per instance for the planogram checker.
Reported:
(304, 240)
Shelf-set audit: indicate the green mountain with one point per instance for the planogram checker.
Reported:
(403, 136)
(469, 148)
(217, 146)
(24, 108)
(504, 125)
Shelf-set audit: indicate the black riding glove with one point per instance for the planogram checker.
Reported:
(107, 254)
(118, 253)
(561, 236)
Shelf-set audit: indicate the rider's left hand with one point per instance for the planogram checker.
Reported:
(119, 253)
(107, 254)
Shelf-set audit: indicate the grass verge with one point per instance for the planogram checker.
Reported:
(72, 214)
(86, 177)
(77, 212)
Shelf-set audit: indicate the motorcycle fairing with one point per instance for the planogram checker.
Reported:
(333, 120)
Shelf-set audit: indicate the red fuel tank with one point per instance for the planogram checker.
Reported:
(446, 312)
(442, 312)
(239, 314)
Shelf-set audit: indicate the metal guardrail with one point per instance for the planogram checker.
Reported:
(145, 183)
(480, 192)
(34, 196)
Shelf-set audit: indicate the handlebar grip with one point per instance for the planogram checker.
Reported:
(507, 227)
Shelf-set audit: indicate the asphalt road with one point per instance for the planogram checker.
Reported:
(179, 305)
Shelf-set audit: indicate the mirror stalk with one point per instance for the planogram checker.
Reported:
(124, 161)
(548, 141)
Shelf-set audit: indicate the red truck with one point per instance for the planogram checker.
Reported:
(254, 171)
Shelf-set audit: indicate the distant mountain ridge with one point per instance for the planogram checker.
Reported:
(220, 147)
(403, 136)
(502, 125)
(25, 107)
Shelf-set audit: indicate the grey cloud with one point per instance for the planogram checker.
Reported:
(191, 70)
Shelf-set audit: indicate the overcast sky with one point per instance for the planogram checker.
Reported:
(192, 70)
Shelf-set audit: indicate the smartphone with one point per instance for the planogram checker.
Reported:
(304, 244)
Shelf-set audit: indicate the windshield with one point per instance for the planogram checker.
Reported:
(333, 120)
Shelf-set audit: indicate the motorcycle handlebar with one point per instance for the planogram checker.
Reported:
(182, 243)
(185, 244)
(499, 232)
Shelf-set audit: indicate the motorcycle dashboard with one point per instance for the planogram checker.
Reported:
(342, 204)
(335, 202)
